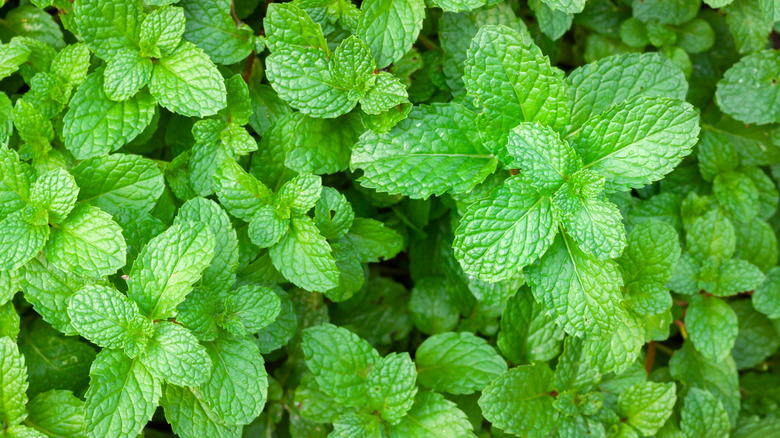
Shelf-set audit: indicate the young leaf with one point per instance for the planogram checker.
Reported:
(430, 415)
(429, 153)
(390, 27)
(174, 355)
(500, 235)
(391, 386)
(57, 413)
(56, 191)
(190, 416)
(304, 257)
(13, 384)
(457, 363)
(702, 414)
(212, 27)
(105, 316)
(122, 396)
(646, 406)
(519, 401)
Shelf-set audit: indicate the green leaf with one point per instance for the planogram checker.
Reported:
(161, 31)
(211, 26)
(674, 12)
(303, 78)
(125, 74)
(766, 298)
(267, 228)
(458, 5)
(95, 125)
(353, 65)
(432, 416)
(749, 26)
(646, 406)
(620, 349)
(122, 395)
(12, 55)
(15, 181)
(300, 193)
(188, 83)
(373, 240)
(108, 26)
(546, 159)
(174, 354)
(712, 326)
(49, 290)
(513, 80)
(319, 146)
(220, 274)
(431, 306)
(286, 24)
(637, 142)
(391, 386)
(388, 92)
(737, 195)
(55, 191)
(106, 317)
(53, 360)
(431, 152)
(757, 338)
(168, 266)
(57, 413)
(457, 363)
(581, 293)
(501, 234)
(119, 181)
(71, 64)
(304, 257)
(574, 369)
(703, 415)
(255, 307)
(390, 27)
(239, 192)
(340, 361)
(711, 235)
(527, 334)
(568, 6)
(721, 379)
(236, 390)
(13, 384)
(596, 86)
(519, 401)
(190, 416)
(749, 91)
(21, 240)
(88, 243)
(553, 23)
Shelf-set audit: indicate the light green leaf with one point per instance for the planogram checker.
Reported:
(220, 274)
(300, 193)
(519, 401)
(106, 317)
(353, 65)
(390, 27)
(766, 298)
(432, 416)
(12, 55)
(119, 181)
(108, 26)
(501, 234)
(174, 354)
(646, 406)
(703, 415)
(72, 64)
(387, 93)
(286, 24)
(95, 125)
(57, 414)
(125, 74)
(239, 192)
(748, 24)
(255, 307)
(757, 338)
(527, 334)
(712, 326)
(188, 83)
(433, 151)
(340, 361)
(167, 267)
(664, 12)
(21, 240)
(457, 363)
(303, 77)
(13, 384)
(619, 349)
(638, 142)
(553, 23)
(581, 293)
(711, 235)
(547, 160)
(56, 191)
(211, 26)
(190, 416)
(161, 31)
(236, 390)
(373, 240)
(304, 257)
(749, 91)
(433, 311)
(87, 243)
(49, 290)
(737, 195)
(458, 5)
(528, 89)
(568, 6)
(122, 396)
(391, 386)
(319, 146)
(15, 180)
(595, 223)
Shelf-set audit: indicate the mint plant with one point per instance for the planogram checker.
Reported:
(441, 218)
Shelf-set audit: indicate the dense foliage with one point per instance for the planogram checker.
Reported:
(389, 218)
